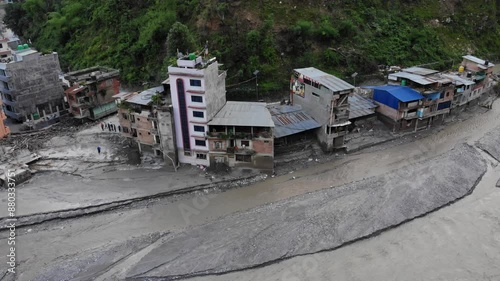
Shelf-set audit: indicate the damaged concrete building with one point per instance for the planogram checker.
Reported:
(479, 71)
(241, 135)
(438, 92)
(4, 130)
(146, 118)
(397, 106)
(91, 92)
(30, 85)
(325, 98)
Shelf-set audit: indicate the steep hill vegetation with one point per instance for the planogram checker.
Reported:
(341, 37)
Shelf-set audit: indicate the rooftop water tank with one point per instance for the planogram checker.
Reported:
(25, 46)
(461, 69)
(19, 47)
(192, 56)
(403, 82)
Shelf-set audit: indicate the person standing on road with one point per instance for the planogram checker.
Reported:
(98, 150)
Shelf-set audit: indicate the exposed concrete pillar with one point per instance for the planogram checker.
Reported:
(57, 108)
(38, 111)
(140, 149)
(50, 107)
(44, 114)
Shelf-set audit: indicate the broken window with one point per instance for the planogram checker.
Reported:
(201, 156)
(218, 145)
(243, 158)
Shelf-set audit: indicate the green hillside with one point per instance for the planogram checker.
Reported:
(340, 37)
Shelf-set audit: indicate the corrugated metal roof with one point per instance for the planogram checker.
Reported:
(420, 70)
(459, 80)
(477, 60)
(289, 120)
(331, 82)
(144, 97)
(236, 113)
(360, 106)
(402, 93)
(121, 95)
(413, 77)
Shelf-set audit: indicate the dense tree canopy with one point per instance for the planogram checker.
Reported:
(341, 37)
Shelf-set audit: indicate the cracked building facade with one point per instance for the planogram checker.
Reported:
(91, 92)
(325, 98)
(30, 86)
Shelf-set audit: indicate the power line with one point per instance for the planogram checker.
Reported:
(237, 84)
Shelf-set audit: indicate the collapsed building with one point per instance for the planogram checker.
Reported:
(91, 92)
(325, 98)
(146, 118)
(4, 130)
(30, 86)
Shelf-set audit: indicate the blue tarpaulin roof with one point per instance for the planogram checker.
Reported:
(391, 95)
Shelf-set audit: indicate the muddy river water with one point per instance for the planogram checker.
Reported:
(458, 242)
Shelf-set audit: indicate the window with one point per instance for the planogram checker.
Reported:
(201, 156)
(245, 143)
(218, 145)
(200, 142)
(195, 82)
(243, 158)
(198, 114)
(138, 119)
(316, 95)
(149, 133)
(196, 98)
(125, 116)
(157, 139)
(199, 128)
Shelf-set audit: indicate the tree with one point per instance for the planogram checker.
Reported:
(179, 38)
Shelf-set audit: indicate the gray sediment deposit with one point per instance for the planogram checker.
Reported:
(314, 222)
(490, 143)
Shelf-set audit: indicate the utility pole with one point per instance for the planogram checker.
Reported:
(354, 76)
(256, 73)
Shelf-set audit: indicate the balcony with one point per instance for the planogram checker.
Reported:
(410, 115)
(428, 114)
(240, 150)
